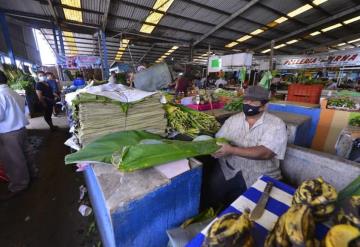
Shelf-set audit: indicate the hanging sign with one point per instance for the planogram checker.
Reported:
(74, 62)
(214, 64)
(336, 59)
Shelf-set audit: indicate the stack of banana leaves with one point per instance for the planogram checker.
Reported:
(190, 122)
(98, 115)
(133, 150)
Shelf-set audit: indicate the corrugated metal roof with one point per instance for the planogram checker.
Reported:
(188, 20)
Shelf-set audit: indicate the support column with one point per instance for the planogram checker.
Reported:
(208, 60)
(60, 49)
(191, 53)
(271, 55)
(55, 41)
(6, 35)
(105, 56)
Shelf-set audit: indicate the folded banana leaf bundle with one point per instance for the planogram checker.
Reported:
(98, 116)
(133, 150)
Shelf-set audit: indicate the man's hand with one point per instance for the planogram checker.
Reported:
(225, 150)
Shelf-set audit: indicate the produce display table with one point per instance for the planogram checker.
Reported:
(136, 208)
(278, 204)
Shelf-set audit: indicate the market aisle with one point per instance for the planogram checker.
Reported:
(46, 214)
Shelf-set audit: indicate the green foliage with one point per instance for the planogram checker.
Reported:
(235, 105)
(353, 189)
(133, 150)
(18, 80)
(190, 122)
(345, 102)
(355, 120)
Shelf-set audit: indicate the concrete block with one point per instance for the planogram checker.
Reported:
(302, 163)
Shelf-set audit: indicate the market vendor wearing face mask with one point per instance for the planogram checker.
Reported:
(258, 142)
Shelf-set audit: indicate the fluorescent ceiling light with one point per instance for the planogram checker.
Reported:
(70, 14)
(353, 41)
(292, 41)
(279, 46)
(246, 37)
(69, 40)
(174, 48)
(318, 2)
(123, 44)
(155, 17)
(352, 20)
(281, 19)
(257, 31)
(232, 44)
(332, 27)
(341, 44)
(265, 51)
(300, 10)
(315, 33)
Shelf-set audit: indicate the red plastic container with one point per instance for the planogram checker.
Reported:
(304, 93)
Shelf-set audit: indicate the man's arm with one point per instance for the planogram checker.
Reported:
(255, 153)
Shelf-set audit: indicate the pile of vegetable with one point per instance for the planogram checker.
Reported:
(224, 93)
(133, 150)
(235, 105)
(341, 102)
(190, 122)
(18, 80)
(355, 120)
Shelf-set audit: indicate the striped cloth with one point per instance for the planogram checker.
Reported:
(278, 203)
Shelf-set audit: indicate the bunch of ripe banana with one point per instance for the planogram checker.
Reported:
(296, 227)
(319, 196)
(346, 232)
(343, 236)
(349, 213)
(230, 230)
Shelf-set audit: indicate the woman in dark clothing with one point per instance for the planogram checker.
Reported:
(54, 85)
(46, 98)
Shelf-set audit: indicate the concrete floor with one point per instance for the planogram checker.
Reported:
(47, 213)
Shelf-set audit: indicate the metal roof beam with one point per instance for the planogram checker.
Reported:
(314, 25)
(53, 12)
(335, 42)
(294, 20)
(226, 21)
(64, 6)
(105, 17)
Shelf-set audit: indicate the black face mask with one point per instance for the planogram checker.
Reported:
(250, 110)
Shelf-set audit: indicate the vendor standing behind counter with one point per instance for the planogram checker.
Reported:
(258, 143)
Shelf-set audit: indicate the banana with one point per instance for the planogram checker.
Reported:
(281, 236)
(349, 212)
(341, 236)
(319, 195)
(230, 229)
(299, 224)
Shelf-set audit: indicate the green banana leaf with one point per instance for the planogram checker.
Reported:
(133, 150)
(353, 189)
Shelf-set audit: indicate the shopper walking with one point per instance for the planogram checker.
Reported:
(46, 98)
(15, 153)
(55, 87)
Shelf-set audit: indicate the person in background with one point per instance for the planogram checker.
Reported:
(79, 81)
(55, 87)
(46, 98)
(15, 152)
(221, 82)
(332, 85)
(112, 78)
(182, 84)
(258, 142)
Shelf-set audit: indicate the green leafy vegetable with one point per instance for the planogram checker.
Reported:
(355, 120)
(344, 102)
(190, 122)
(235, 105)
(127, 151)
